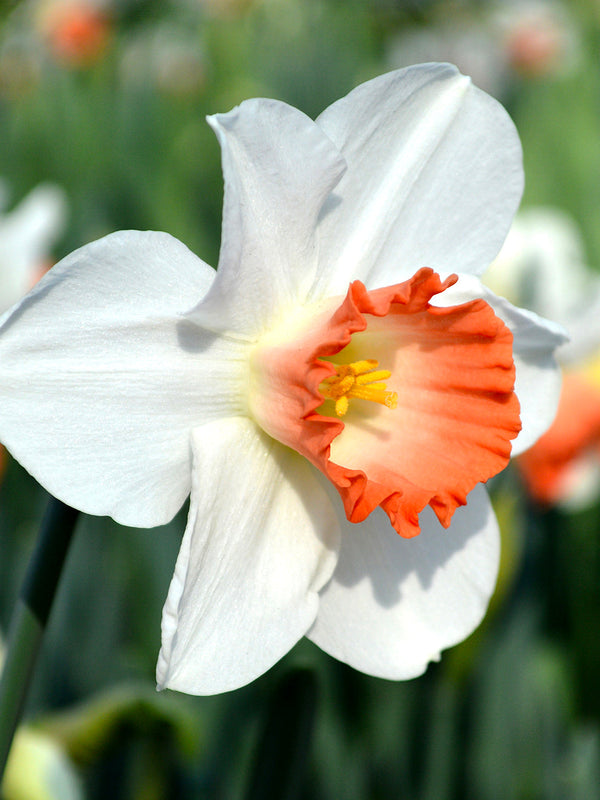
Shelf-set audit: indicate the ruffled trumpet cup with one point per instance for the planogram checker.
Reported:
(441, 423)
(344, 369)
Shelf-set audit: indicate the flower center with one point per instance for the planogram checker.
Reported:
(362, 380)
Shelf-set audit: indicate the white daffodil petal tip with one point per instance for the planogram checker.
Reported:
(246, 584)
(434, 178)
(394, 604)
(100, 377)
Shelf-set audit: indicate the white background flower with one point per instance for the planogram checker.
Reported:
(542, 265)
(27, 233)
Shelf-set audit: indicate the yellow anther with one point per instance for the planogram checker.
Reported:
(361, 367)
(361, 380)
(339, 386)
(341, 405)
(372, 377)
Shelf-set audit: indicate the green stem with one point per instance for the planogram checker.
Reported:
(30, 617)
(280, 762)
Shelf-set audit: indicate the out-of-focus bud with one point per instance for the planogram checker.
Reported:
(76, 31)
(38, 769)
(538, 38)
(167, 57)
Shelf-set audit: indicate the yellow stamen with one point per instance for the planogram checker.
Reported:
(361, 380)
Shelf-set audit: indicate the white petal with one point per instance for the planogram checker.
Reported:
(536, 340)
(26, 236)
(393, 604)
(434, 178)
(102, 379)
(261, 541)
(279, 167)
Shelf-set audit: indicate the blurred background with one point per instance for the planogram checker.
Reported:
(102, 106)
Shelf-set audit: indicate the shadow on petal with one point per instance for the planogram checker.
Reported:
(373, 552)
(194, 339)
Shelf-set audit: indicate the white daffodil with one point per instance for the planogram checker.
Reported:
(321, 390)
(26, 236)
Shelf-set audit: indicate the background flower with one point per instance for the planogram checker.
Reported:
(542, 265)
(27, 234)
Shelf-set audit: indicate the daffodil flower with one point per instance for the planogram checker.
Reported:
(341, 383)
